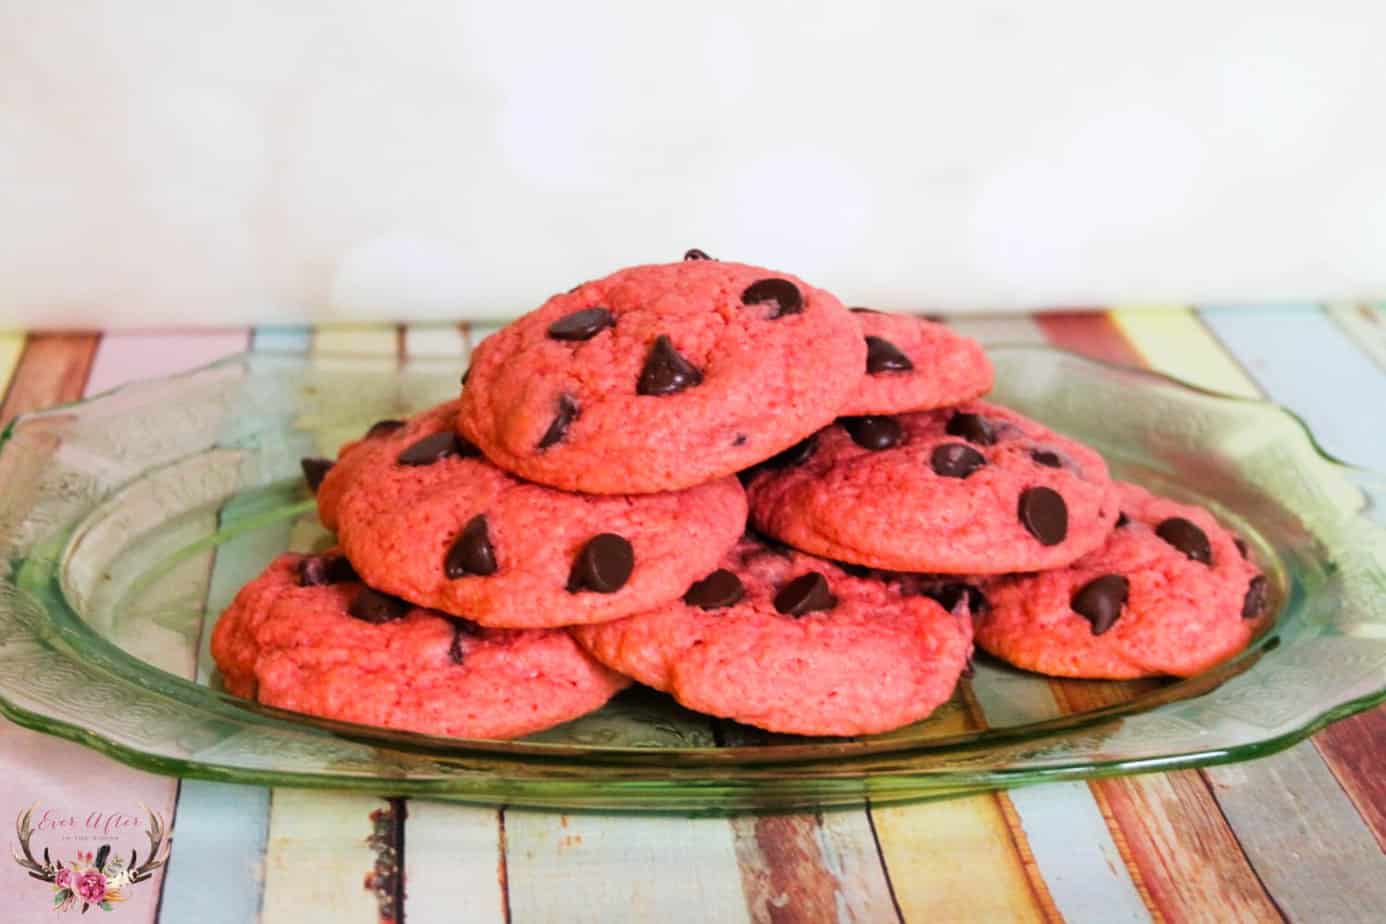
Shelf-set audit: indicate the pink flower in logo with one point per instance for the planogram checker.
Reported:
(65, 879)
(91, 886)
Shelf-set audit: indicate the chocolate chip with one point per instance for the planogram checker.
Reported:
(582, 325)
(1255, 603)
(719, 589)
(319, 570)
(1046, 458)
(860, 310)
(740, 440)
(604, 564)
(1240, 543)
(1122, 519)
(695, 254)
(314, 471)
(436, 447)
(874, 433)
(781, 293)
(666, 371)
(807, 593)
(1187, 538)
(467, 372)
(1100, 600)
(1044, 513)
(567, 412)
(884, 356)
(797, 454)
(955, 460)
(951, 594)
(374, 607)
(471, 552)
(383, 428)
(972, 427)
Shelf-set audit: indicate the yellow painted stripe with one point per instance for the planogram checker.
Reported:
(371, 339)
(11, 346)
(956, 856)
(1173, 341)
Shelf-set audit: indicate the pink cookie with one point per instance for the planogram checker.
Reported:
(793, 644)
(422, 515)
(1170, 592)
(915, 365)
(661, 377)
(308, 637)
(978, 489)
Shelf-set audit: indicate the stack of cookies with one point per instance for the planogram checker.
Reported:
(717, 481)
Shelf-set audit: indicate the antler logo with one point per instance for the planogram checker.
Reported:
(92, 879)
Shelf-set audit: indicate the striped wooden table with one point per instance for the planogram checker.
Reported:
(1297, 836)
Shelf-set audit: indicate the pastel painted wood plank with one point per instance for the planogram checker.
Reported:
(216, 870)
(128, 357)
(424, 340)
(11, 346)
(317, 858)
(809, 867)
(454, 864)
(1090, 333)
(959, 855)
(1297, 827)
(603, 868)
(1353, 748)
(52, 370)
(550, 858)
(282, 338)
(958, 861)
(368, 339)
(1172, 340)
(848, 850)
(1365, 326)
(1304, 361)
(1305, 839)
(58, 775)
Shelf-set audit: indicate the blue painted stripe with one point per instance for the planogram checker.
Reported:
(1303, 360)
(215, 873)
(282, 338)
(1068, 837)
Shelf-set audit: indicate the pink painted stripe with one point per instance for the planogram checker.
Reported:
(79, 789)
(127, 357)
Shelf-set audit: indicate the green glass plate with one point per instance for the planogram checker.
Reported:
(127, 522)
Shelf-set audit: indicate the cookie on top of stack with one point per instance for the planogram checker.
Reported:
(579, 518)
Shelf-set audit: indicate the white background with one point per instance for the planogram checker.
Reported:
(203, 162)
